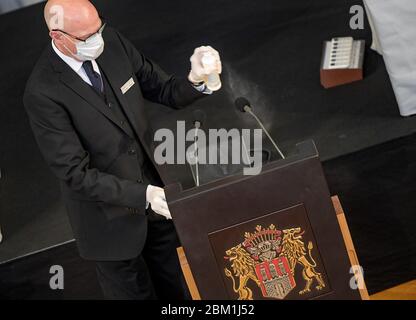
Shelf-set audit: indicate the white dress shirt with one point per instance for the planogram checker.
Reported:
(76, 65)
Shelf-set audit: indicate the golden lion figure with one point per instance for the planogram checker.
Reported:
(243, 267)
(294, 250)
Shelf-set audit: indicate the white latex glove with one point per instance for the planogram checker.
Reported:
(199, 72)
(157, 199)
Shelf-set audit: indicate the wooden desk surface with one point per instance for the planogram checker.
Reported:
(406, 291)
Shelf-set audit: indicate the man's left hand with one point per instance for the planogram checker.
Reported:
(199, 72)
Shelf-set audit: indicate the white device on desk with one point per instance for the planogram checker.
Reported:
(342, 61)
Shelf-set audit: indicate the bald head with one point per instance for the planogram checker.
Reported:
(77, 18)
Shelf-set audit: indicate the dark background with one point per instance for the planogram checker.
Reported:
(271, 53)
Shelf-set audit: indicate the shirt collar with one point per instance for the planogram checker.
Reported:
(74, 64)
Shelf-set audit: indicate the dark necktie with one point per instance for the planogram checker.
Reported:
(94, 77)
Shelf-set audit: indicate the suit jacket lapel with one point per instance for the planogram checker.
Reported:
(69, 78)
(73, 81)
(117, 79)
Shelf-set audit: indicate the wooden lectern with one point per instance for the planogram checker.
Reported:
(271, 236)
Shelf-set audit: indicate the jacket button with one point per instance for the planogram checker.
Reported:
(122, 122)
(132, 152)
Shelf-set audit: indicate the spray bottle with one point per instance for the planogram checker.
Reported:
(212, 81)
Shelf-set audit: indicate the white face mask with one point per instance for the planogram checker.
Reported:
(89, 49)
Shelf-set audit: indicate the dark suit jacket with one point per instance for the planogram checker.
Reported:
(81, 140)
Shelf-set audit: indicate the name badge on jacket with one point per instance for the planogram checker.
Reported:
(126, 87)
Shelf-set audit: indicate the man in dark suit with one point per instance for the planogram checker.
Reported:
(85, 102)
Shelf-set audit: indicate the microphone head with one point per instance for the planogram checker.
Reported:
(241, 104)
(198, 116)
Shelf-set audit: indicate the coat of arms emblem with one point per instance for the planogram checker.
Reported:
(268, 257)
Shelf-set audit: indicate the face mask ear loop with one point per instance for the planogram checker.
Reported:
(69, 38)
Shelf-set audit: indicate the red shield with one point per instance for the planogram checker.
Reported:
(276, 279)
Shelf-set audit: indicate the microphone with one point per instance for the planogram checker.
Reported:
(243, 105)
(198, 119)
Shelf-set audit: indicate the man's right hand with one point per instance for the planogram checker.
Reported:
(157, 199)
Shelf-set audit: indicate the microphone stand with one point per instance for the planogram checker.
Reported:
(197, 125)
(248, 109)
(246, 151)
